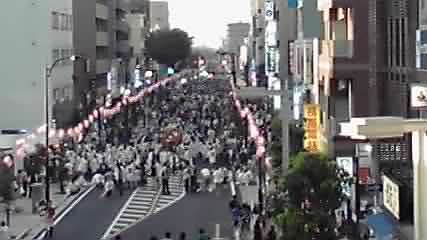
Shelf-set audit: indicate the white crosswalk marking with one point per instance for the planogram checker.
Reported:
(135, 209)
(140, 203)
(177, 192)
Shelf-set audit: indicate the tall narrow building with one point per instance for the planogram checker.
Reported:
(159, 15)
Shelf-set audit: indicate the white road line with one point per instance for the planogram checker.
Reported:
(107, 233)
(68, 210)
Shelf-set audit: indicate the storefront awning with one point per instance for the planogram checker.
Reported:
(383, 225)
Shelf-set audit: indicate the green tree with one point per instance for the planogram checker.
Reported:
(312, 192)
(296, 137)
(168, 46)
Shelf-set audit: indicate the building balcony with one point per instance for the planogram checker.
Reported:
(323, 5)
(101, 39)
(122, 26)
(102, 66)
(101, 11)
(337, 48)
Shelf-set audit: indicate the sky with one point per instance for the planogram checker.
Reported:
(206, 20)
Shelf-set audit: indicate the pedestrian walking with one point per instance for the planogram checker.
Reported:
(168, 236)
(271, 235)
(182, 236)
(258, 233)
(108, 188)
(165, 182)
(186, 178)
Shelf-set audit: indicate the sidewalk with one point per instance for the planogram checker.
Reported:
(26, 225)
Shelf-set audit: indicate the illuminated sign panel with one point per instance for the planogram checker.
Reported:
(312, 128)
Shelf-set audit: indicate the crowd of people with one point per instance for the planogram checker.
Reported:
(189, 129)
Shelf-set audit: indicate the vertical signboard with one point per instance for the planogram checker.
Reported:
(391, 196)
(292, 3)
(312, 128)
(346, 164)
(269, 10)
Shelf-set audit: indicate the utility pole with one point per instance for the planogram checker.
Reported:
(127, 110)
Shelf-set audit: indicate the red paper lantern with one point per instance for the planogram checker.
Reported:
(95, 114)
(70, 132)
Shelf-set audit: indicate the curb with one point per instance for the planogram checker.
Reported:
(57, 217)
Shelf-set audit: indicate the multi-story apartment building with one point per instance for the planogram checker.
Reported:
(236, 34)
(53, 20)
(343, 70)
(27, 50)
(392, 33)
(421, 42)
(366, 65)
(100, 35)
(159, 15)
(305, 53)
(257, 41)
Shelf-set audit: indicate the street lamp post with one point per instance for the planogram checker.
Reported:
(390, 127)
(47, 78)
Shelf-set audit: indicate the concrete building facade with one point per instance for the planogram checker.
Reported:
(28, 50)
(159, 15)
(236, 34)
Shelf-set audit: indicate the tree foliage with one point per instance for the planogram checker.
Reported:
(312, 192)
(296, 137)
(168, 46)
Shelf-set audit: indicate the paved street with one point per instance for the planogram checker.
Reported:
(189, 214)
(91, 217)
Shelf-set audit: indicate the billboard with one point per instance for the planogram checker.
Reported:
(346, 164)
(391, 197)
(312, 128)
(418, 95)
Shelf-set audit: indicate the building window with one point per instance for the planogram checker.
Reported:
(397, 41)
(403, 31)
(423, 61)
(55, 20)
(55, 54)
(423, 37)
(56, 94)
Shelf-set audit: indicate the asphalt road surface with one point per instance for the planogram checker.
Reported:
(194, 211)
(91, 217)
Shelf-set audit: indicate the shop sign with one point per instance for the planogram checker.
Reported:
(391, 196)
(269, 10)
(312, 128)
(346, 164)
(418, 95)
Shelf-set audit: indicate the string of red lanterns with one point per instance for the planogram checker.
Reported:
(254, 132)
(77, 131)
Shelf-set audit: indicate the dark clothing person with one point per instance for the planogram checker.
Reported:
(165, 183)
(271, 235)
(258, 230)
(182, 236)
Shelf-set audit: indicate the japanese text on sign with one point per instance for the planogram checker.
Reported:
(312, 127)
